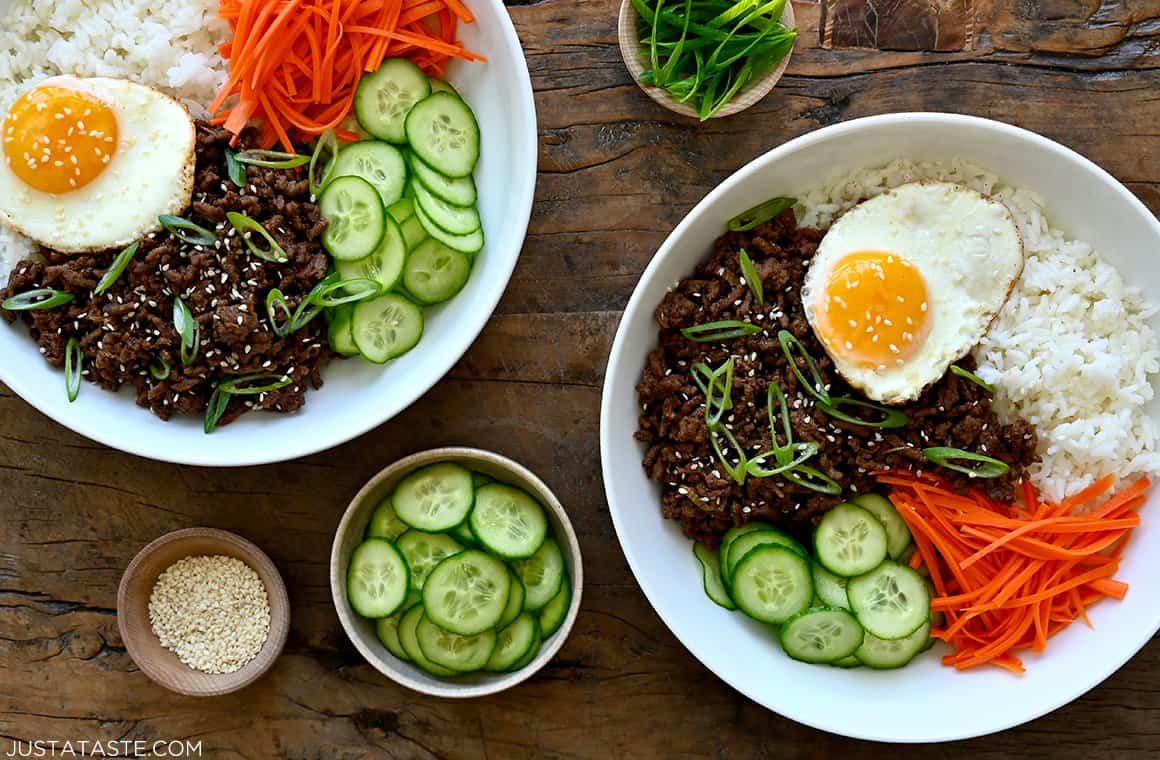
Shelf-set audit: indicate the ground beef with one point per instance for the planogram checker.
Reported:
(130, 327)
(697, 492)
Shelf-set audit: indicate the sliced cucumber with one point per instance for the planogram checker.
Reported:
(459, 191)
(821, 635)
(385, 523)
(377, 579)
(467, 593)
(542, 574)
(338, 331)
(554, 612)
(384, 265)
(379, 163)
(402, 210)
(772, 584)
(435, 498)
(478, 479)
(463, 654)
(423, 551)
(515, 604)
(356, 219)
(385, 97)
(413, 232)
(711, 576)
(830, 588)
(897, 534)
(533, 650)
(744, 544)
(891, 601)
(507, 521)
(438, 85)
(848, 662)
(409, 639)
(731, 535)
(456, 220)
(887, 654)
(434, 273)
(468, 244)
(463, 533)
(443, 132)
(386, 327)
(515, 640)
(849, 540)
(387, 632)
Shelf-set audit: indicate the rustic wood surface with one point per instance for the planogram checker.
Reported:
(617, 172)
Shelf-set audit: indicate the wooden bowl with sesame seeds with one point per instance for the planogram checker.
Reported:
(161, 664)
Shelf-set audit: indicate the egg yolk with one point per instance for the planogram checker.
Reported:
(874, 309)
(57, 140)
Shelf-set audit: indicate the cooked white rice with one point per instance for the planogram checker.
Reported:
(171, 45)
(1072, 352)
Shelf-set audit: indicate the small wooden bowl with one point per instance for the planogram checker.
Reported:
(636, 59)
(353, 528)
(145, 648)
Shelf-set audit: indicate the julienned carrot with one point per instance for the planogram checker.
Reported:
(1010, 577)
(295, 64)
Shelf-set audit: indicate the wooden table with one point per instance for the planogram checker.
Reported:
(616, 174)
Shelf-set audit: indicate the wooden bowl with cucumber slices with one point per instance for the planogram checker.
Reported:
(456, 573)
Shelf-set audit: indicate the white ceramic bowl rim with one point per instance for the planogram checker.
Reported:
(676, 619)
(276, 438)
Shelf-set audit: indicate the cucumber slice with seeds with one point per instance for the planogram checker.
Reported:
(507, 521)
(457, 220)
(386, 327)
(459, 191)
(379, 163)
(514, 642)
(891, 601)
(443, 132)
(897, 534)
(772, 584)
(423, 551)
(554, 612)
(742, 546)
(377, 579)
(849, 540)
(821, 635)
(385, 97)
(463, 654)
(384, 265)
(469, 244)
(409, 639)
(434, 273)
(711, 576)
(541, 574)
(467, 593)
(356, 219)
(731, 535)
(887, 654)
(435, 498)
(385, 523)
(515, 603)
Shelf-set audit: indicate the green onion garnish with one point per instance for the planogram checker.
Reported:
(815, 480)
(790, 346)
(711, 332)
(891, 418)
(37, 300)
(245, 226)
(714, 380)
(186, 231)
(752, 278)
(738, 471)
(115, 269)
(760, 214)
(800, 453)
(189, 330)
(244, 386)
(74, 360)
(944, 456)
(303, 315)
(276, 301)
(159, 369)
(357, 289)
(235, 170)
(968, 375)
(271, 159)
(218, 402)
(327, 146)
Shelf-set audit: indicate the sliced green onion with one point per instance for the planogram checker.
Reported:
(189, 330)
(944, 456)
(244, 386)
(738, 471)
(74, 360)
(968, 375)
(37, 300)
(115, 269)
(271, 159)
(711, 332)
(218, 402)
(752, 278)
(760, 214)
(715, 407)
(891, 418)
(235, 170)
(275, 301)
(244, 226)
(358, 289)
(186, 231)
(815, 480)
(303, 315)
(790, 346)
(159, 369)
(189, 352)
(775, 394)
(799, 453)
(328, 145)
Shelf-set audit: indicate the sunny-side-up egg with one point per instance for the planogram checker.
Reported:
(906, 283)
(89, 164)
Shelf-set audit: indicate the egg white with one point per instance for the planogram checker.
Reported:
(150, 173)
(969, 251)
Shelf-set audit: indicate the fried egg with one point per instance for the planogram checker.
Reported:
(89, 164)
(906, 283)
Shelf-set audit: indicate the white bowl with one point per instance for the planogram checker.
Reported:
(357, 396)
(362, 631)
(923, 702)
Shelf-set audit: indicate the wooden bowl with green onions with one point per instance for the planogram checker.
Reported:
(712, 59)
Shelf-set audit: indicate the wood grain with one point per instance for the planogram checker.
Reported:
(617, 173)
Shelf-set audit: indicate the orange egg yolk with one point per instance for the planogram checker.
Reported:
(874, 309)
(57, 140)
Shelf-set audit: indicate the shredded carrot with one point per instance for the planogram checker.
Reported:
(1010, 577)
(295, 64)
